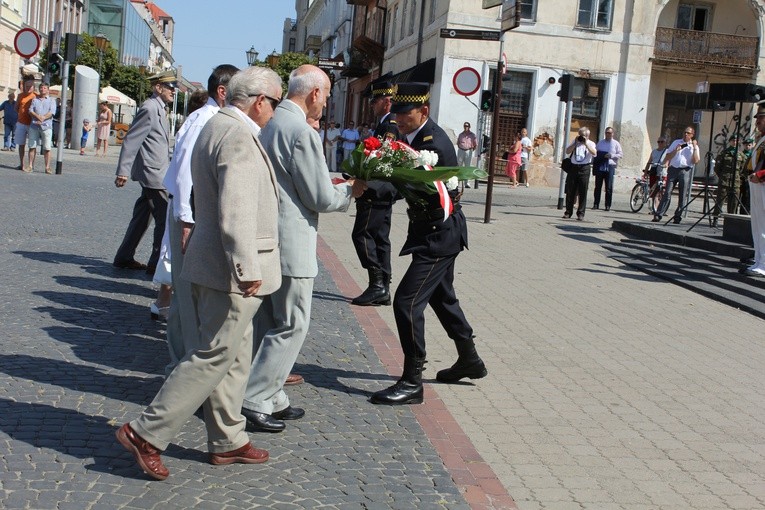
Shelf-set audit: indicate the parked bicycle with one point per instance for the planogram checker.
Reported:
(643, 192)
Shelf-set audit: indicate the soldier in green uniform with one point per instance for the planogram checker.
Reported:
(728, 166)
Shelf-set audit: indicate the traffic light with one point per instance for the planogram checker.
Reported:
(54, 64)
(566, 92)
(72, 43)
(487, 100)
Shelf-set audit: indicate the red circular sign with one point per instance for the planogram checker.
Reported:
(466, 81)
(27, 42)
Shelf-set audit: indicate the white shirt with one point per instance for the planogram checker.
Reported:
(525, 142)
(580, 155)
(251, 123)
(177, 181)
(332, 135)
(684, 158)
(411, 135)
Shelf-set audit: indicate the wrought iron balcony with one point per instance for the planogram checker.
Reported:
(691, 48)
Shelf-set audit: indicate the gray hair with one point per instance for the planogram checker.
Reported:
(249, 83)
(303, 80)
(584, 131)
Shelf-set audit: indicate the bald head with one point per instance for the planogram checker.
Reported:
(309, 88)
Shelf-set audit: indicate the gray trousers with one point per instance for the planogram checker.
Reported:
(681, 176)
(182, 323)
(281, 334)
(213, 376)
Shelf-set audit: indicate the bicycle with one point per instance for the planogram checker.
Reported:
(643, 193)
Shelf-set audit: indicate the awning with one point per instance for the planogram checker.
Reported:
(114, 96)
(423, 72)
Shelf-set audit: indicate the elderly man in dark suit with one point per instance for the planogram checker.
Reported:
(144, 157)
(371, 230)
(434, 243)
(232, 262)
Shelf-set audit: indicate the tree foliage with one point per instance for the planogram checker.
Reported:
(287, 62)
(129, 81)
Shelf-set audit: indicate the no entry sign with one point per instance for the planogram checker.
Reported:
(466, 81)
(26, 42)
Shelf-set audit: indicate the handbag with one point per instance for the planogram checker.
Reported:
(566, 165)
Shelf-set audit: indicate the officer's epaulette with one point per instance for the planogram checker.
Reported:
(392, 121)
(426, 138)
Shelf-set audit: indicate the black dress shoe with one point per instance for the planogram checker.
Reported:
(676, 220)
(262, 422)
(290, 413)
(607, 209)
(130, 264)
(747, 260)
(748, 272)
(656, 219)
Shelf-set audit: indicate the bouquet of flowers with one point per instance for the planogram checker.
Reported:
(411, 171)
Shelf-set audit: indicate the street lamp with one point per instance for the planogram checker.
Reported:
(252, 56)
(273, 59)
(102, 43)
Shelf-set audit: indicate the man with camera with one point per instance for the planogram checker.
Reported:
(581, 151)
(682, 155)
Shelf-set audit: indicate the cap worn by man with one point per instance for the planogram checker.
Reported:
(410, 95)
(164, 77)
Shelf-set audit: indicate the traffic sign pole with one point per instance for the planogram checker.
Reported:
(497, 89)
(62, 120)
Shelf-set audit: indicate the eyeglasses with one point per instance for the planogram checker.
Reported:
(466, 125)
(169, 86)
(689, 132)
(274, 102)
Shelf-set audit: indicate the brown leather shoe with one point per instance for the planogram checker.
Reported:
(145, 454)
(294, 380)
(247, 454)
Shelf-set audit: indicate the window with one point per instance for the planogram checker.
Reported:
(432, 11)
(595, 14)
(692, 17)
(412, 16)
(529, 9)
(403, 16)
(292, 45)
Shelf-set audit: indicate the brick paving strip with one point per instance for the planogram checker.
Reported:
(475, 478)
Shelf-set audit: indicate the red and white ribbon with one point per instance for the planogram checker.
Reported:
(443, 196)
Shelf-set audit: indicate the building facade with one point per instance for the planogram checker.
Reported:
(11, 21)
(162, 27)
(125, 28)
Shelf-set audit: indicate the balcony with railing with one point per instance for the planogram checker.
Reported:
(676, 47)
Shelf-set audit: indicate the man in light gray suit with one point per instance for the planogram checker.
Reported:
(232, 262)
(144, 156)
(305, 190)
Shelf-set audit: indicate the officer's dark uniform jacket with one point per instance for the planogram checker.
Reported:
(428, 232)
(379, 192)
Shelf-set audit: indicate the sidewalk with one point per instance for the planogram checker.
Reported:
(607, 388)
(584, 406)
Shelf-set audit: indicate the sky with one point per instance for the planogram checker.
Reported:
(223, 30)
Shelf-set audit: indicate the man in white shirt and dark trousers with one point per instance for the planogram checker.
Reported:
(182, 327)
(610, 150)
(682, 155)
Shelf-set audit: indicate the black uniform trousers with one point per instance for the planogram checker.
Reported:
(429, 280)
(371, 231)
(151, 204)
(577, 181)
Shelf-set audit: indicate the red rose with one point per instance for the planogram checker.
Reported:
(372, 143)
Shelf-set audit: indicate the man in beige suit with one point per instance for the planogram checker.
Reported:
(232, 261)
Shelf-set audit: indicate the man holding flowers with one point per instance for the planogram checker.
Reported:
(437, 234)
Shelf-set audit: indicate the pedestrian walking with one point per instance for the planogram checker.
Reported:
(305, 190)
(145, 156)
(232, 263)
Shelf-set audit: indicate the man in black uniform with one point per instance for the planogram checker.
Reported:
(374, 208)
(434, 244)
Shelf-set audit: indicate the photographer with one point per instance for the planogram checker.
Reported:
(581, 150)
(682, 155)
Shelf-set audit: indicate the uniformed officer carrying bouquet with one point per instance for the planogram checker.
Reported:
(371, 230)
(437, 234)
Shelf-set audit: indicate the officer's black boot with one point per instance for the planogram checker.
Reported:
(377, 293)
(408, 389)
(468, 364)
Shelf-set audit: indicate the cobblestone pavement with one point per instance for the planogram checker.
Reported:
(79, 355)
(607, 388)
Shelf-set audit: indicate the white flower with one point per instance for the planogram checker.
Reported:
(427, 158)
(452, 183)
